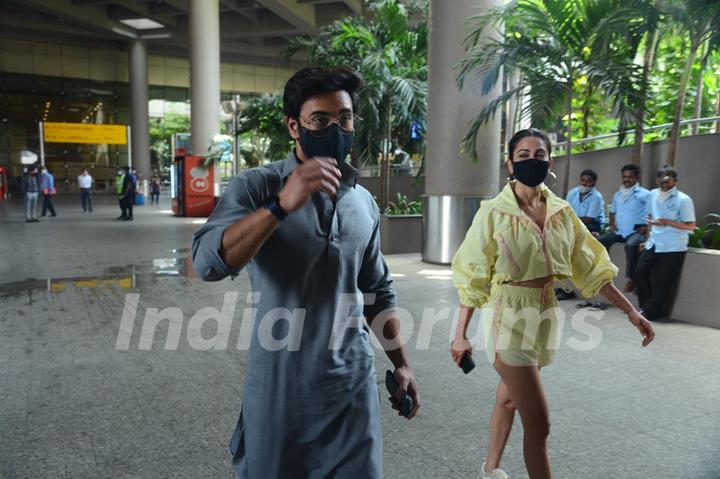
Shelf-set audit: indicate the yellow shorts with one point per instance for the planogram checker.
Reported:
(521, 325)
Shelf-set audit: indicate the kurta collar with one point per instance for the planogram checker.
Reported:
(349, 173)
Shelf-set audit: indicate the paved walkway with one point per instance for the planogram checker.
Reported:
(72, 405)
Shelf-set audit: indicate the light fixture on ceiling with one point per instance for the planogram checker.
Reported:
(142, 23)
(124, 32)
(155, 36)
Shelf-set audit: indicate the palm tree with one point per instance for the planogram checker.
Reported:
(700, 20)
(553, 43)
(648, 10)
(390, 54)
(262, 116)
(708, 48)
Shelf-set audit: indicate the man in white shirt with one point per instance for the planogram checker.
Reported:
(85, 185)
(671, 219)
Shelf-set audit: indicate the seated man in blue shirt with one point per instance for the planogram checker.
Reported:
(627, 210)
(589, 205)
(671, 218)
(588, 202)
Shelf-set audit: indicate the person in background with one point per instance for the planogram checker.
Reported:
(401, 160)
(134, 180)
(627, 211)
(47, 186)
(671, 218)
(31, 186)
(128, 193)
(588, 203)
(85, 184)
(155, 190)
(119, 185)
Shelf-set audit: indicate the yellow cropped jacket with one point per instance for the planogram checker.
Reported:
(504, 244)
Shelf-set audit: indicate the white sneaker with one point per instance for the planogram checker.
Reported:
(495, 474)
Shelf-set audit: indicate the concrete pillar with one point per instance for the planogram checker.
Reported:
(139, 115)
(454, 185)
(204, 73)
(514, 119)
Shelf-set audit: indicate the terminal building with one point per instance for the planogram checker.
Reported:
(130, 62)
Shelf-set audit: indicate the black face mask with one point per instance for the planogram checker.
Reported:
(531, 172)
(332, 142)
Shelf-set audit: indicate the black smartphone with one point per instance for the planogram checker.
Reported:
(466, 363)
(392, 386)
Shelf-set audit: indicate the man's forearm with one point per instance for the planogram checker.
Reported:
(689, 226)
(390, 339)
(242, 240)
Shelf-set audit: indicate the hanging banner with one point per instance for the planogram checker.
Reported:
(85, 133)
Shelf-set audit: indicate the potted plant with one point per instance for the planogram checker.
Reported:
(401, 226)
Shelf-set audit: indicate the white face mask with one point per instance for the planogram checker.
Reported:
(626, 192)
(585, 189)
(664, 195)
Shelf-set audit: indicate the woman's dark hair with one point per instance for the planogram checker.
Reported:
(524, 134)
(630, 167)
(591, 174)
(313, 80)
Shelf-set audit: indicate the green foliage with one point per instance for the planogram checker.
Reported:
(217, 151)
(390, 53)
(673, 50)
(592, 112)
(263, 119)
(552, 44)
(161, 132)
(707, 235)
(401, 206)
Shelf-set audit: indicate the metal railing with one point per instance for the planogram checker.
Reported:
(374, 171)
(695, 126)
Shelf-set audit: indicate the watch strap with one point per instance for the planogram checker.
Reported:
(277, 210)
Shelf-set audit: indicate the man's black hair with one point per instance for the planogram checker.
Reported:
(667, 170)
(591, 174)
(633, 168)
(313, 80)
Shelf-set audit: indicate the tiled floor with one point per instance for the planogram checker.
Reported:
(72, 405)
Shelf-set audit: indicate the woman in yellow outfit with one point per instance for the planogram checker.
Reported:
(520, 242)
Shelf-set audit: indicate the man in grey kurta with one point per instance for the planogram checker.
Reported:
(310, 409)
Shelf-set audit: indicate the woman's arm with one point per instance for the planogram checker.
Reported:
(618, 299)
(460, 344)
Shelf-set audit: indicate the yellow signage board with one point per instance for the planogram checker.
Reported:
(84, 133)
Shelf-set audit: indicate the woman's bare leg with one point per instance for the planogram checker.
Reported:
(526, 391)
(501, 422)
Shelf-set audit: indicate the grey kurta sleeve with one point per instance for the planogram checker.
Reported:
(237, 203)
(375, 277)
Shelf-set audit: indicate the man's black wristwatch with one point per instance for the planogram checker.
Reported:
(277, 210)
